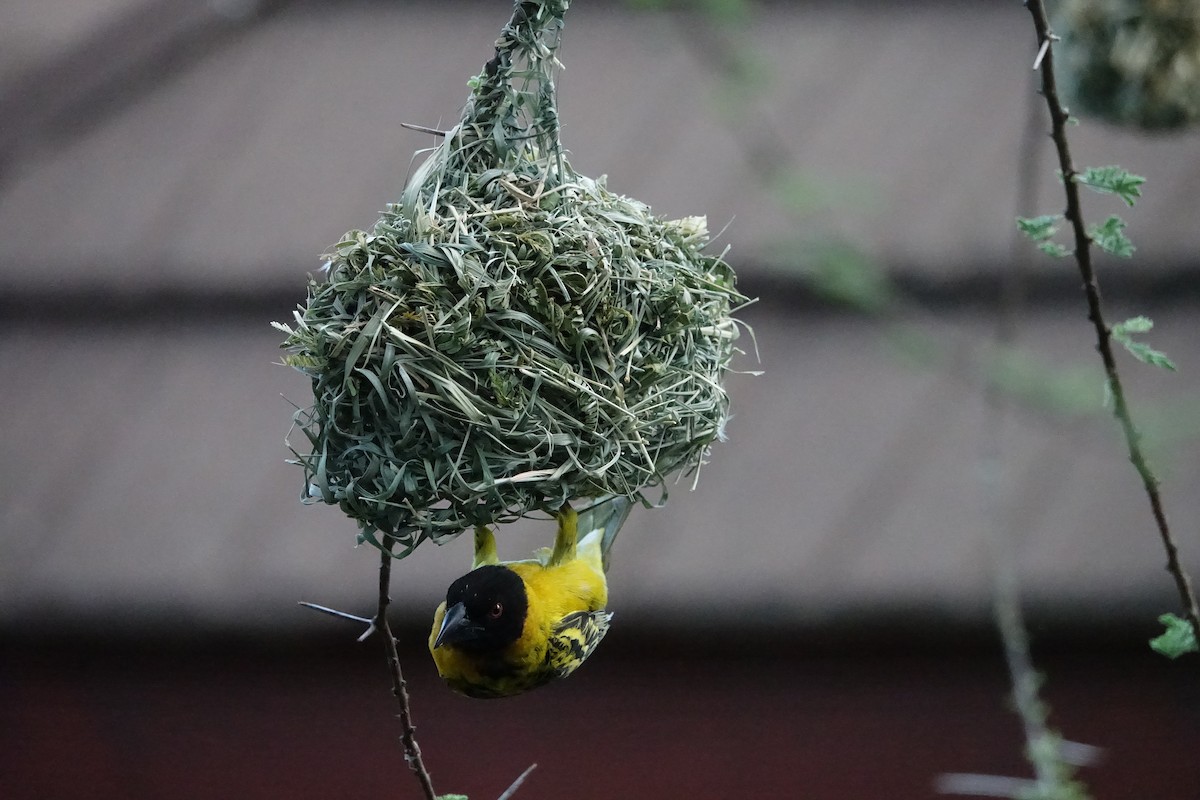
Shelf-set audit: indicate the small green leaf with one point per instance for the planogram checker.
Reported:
(842, 273)
(1138, 324)
(1178, 639)
(1143, 352)
(1054, 249)
(1148, 355)
(451, 797)
(1039, 229)
(1110, 237)
(1112, 180)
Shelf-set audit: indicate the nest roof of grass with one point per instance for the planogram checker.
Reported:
(510, 335)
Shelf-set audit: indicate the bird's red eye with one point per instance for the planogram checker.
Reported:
(496, 610)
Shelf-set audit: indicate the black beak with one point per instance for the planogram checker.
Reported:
(456, 626)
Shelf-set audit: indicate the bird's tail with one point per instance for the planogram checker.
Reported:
(604, 519)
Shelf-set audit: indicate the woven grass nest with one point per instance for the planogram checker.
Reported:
(1133, 63)
(510, 335)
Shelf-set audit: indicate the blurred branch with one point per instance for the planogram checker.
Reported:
(1044, 749)
(1059, 121)
(129, 55)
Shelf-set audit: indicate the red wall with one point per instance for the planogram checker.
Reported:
(317, 721)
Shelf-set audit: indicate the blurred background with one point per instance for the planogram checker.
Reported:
(814, 619)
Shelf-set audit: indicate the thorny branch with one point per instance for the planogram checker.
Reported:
(1074, 215)
(379, 624)
(412, 751)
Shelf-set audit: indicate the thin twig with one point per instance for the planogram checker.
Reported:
(1074, 214)
(412, 751)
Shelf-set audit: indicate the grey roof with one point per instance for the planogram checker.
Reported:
(143, 474)
(241, 165)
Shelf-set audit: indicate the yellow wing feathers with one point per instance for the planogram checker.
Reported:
(574, 640)
(510, 626)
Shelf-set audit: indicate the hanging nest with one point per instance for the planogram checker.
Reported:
(1131, 62)
(510, 335)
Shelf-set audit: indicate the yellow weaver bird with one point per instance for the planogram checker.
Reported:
(510, 626)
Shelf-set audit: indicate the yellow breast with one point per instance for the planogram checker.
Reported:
(554, 592)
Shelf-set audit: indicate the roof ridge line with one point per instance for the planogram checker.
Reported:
(68, 94)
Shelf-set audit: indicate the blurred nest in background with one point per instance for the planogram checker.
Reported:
(1131, 62)
(510, 335)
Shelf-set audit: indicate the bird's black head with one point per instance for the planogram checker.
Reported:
(485, 610)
